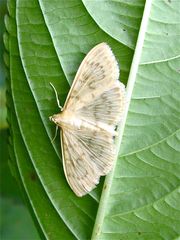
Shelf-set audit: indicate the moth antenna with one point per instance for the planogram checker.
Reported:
(55, 135)
(58, 102)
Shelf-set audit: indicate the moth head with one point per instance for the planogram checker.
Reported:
(54, 118)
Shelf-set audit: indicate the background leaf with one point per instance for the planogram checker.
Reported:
(47, 42)
(144, 187)
(119, 19)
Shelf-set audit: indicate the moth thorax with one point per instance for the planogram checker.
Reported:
(66, 118)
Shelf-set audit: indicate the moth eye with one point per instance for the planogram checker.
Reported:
(51, 118)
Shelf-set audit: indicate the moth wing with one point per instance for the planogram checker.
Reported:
(87, 155)
(107, 108)
(97, 73)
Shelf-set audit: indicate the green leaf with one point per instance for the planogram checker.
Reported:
(119, 19)
(74, 33)
(140, 196)
(3, 113)
(142, 191)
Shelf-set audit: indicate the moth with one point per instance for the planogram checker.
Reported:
(92, 110)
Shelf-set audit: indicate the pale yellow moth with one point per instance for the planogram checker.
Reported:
(93, 108)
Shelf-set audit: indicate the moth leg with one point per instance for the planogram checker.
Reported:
(55, 135)
(58, 102)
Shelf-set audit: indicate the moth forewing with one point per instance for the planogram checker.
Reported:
(96, 74)
(93, 108)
